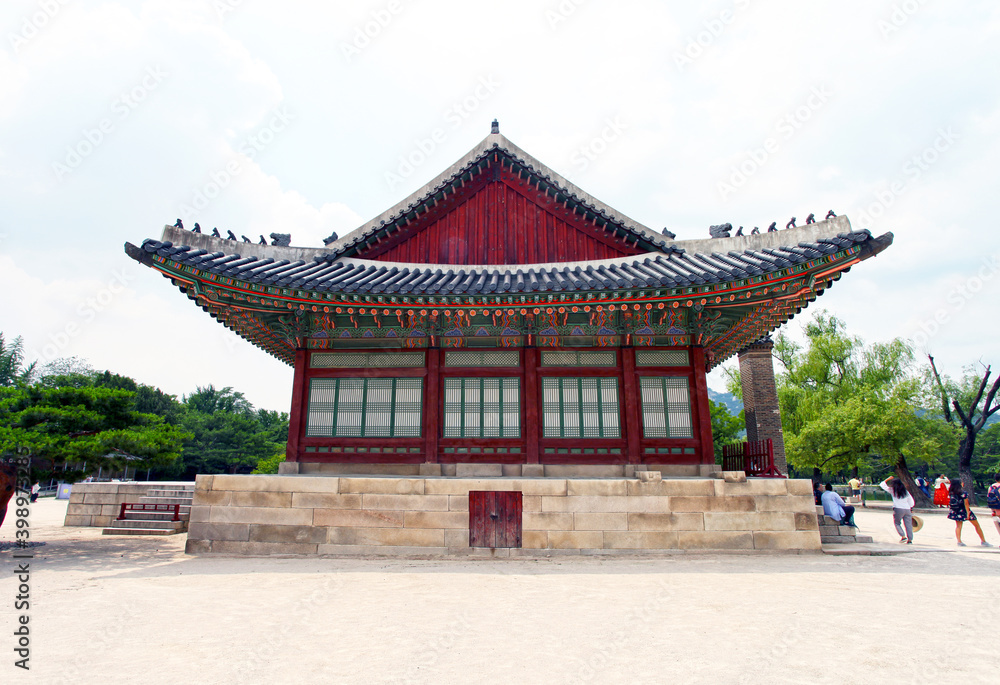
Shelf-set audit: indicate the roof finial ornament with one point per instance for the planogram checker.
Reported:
(668, 233)
(831, 214)
(197, 228)
(811, 219)
(791, 223)
(178, 224)
(495, 127)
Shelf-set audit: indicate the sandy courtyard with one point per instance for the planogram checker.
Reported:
(138, 610)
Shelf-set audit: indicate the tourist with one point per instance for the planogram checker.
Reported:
(834, 507)
(941, 486)
(902, 508)
(960, 512)
(855, 485)
(993, 500)
(817, 493)
(922, 484)
(35, 489)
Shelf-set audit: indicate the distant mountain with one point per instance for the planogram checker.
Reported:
(732, 402)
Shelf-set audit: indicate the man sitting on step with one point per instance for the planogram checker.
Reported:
(834, 507)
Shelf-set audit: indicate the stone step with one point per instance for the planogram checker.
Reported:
(864, 538)
(165, 500)
(185, 494)
(132, 523)
(837, 539)
(153, 516)
(140, 531)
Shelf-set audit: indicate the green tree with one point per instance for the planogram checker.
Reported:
(63, 426)
(12, 368)
(227, 434)
(845, 403)
(965, 398)
(726, 428)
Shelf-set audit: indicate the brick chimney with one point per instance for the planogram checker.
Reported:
(760, 398)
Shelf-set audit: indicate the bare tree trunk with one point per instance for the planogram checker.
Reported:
(965, 449)
(902, 471)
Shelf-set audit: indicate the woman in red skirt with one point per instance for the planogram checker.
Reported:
(941, 486)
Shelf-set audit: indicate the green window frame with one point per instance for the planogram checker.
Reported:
(365, 408)
(580, 408)
(666, 407)
(482, 407)
(662, 358)
(579, 358)
(366, 360)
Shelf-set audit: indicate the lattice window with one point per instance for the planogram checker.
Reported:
(367, 360)
(365, 407)
(484, 358)
(576, 358)
(580, 408)
(666, 407)
(482, 407)
(662, 358)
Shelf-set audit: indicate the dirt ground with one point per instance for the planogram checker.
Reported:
(138, 610)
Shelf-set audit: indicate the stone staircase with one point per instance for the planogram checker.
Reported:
(831, 532)
(161, 522)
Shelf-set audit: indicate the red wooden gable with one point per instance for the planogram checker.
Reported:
(499, 218)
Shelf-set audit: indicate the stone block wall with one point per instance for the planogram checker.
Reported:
(306, 515)
(98, 504)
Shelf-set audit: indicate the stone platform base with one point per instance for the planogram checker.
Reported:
(359, 515)
(98, 504)
(496, 470)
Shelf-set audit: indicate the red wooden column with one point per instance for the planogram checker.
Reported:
(297, 412)
(630, 386)
(432, 405)
(532, 400)
(703, 415)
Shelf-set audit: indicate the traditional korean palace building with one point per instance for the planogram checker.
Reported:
(502, 315)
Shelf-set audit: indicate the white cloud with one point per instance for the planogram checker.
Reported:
(559, 84)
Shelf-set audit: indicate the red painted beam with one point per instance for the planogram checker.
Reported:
(630, 387)
(702, 414)
(296, 414)
(432, 405)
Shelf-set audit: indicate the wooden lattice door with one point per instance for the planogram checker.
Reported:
(495, 519)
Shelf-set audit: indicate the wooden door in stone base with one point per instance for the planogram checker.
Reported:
(495, 519)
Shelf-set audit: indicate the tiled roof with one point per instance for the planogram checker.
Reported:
(327, 271)
(473, 163)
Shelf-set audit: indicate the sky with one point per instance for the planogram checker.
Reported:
(309, 117)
